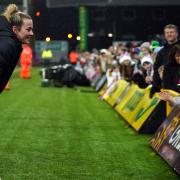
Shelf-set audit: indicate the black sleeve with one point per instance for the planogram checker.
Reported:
(6, 58)
(156, 84)
(156, 79)
(7, 51)
(168, 78)
(3, 70)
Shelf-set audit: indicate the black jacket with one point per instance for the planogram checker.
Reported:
(10, 50)
(171, 77)
(161, 59)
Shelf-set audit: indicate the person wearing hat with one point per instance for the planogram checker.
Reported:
(155, 48)
(147, 65)
(154, 45)
(126, 66)
(143, 77)
(113, 73)
(104, 57)
(145, 49)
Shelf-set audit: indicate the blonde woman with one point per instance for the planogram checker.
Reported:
(16, 28)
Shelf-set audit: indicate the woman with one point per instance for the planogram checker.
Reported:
(171, 73)
(16, 28)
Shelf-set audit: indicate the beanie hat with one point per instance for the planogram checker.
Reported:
(137, 50)
(145, 45)
(146, 59)
(104, 51)
(124, 58)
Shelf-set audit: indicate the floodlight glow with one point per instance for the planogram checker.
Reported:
(48, 39)
(78, 38)
(90, 34)
(70, 36)
(38, 13)
(110, 35)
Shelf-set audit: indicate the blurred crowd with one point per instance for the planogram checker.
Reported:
(145, 63)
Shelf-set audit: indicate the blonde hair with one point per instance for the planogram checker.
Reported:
(14, 16)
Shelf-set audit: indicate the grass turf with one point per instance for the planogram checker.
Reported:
(61, 133)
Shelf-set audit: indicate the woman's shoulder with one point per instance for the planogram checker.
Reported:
(7, 45)
(9, 51)
(6, 42)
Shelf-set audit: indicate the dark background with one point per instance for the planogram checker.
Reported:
(125, 22)
(138, 22)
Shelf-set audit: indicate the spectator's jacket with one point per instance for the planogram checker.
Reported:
(10, 50)
(161, 59)
(171, 77)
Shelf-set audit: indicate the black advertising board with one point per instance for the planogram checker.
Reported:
(166, 140)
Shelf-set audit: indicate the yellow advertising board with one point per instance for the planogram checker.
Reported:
(132, 102)
(110, 90)
(166, 139)
(144, 109)
(101, 92)
(121, 87)
(127, 106)
(136, 106)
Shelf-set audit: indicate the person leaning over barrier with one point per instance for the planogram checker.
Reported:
(171, 37)
(16, 28)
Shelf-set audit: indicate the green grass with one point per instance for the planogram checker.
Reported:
(60, 133)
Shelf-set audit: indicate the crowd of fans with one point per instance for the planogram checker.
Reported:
(146, 63)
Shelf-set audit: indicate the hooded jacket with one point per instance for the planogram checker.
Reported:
(10, 50)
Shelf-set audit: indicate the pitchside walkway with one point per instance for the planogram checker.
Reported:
(51, 133)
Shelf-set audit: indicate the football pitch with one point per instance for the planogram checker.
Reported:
(49, 133)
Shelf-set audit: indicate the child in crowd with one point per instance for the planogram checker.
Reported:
(145, 50)
(113, 73)
(143, 77)
(126, 67)
(147, 65)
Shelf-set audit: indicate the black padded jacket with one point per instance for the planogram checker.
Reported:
(10, 50)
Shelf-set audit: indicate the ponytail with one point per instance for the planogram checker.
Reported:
(9, 11)
(14, 16)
